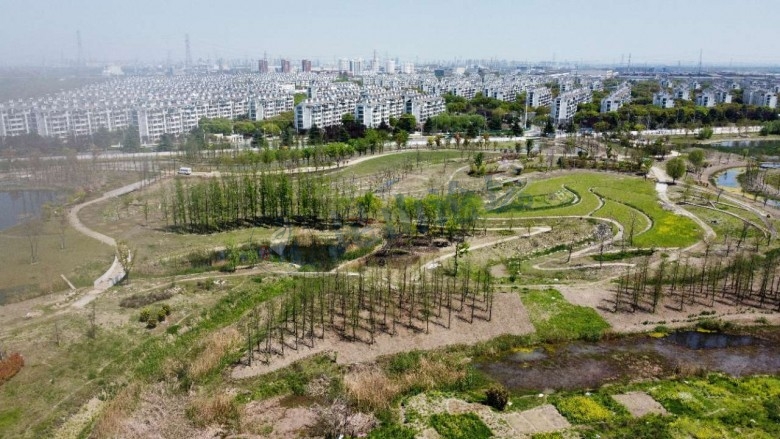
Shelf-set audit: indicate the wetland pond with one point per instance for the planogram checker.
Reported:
(589, 365)
(14, 204)
(730, 179)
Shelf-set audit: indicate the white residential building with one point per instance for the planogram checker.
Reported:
(663, 100)
(682, 93)
(563, 108)
(723, 97)
(761, 98)
(539, 97)
(425, 107)
(706, 99)
(616, 99)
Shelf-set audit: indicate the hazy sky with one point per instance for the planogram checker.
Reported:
(652, 31)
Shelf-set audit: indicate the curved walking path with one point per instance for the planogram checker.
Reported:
(741, 204)
(661, 187)
(764, 231)
(534, 231)
(114, 273)
(649, 220)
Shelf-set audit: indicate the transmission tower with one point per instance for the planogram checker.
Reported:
(80, 50)
(700, 52)
(188, 53)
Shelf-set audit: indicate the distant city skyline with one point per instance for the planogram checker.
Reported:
(599, 31)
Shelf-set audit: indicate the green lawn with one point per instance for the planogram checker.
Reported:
(724, 224)
(627, 192)
(587, 203)
(716, 406)
(556, 319)
(398, 160)
(622, 214)
(669, 229)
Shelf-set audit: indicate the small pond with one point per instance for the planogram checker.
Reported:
(728, 178)
(747, 143)
(582, 365)
(14, 204)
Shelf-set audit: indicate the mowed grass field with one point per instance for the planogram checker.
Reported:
(669, 229)
(626, 193)
(623, 214)
(396, 161)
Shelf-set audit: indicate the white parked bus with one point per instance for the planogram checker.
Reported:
(185, 171)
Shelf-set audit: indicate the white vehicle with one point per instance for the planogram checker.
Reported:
(185, 171)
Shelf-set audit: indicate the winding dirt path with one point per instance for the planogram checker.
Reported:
(115, 272)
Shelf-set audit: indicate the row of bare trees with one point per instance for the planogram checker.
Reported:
(358, 307)
(747, 278)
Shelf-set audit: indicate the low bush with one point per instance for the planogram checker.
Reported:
(392, 431)
(152, 317)
(582, 410)
(145, 315)
(497, 397)
(140, 300)
(465, 426)
(608, 257)
(715, 325)
(10, 366)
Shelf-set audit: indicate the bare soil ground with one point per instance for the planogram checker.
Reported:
(271, 419)
(509, 317)
(600, 296)
(160, 414)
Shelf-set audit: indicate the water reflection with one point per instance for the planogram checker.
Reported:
(16, 204)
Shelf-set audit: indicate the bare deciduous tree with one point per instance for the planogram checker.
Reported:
(125, 257)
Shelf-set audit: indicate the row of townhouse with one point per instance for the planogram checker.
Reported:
(760, 97)
(616, 99)
(710, 98)
(323, 112)
(154, 103)
(62, 122)
(369, 110)
(563, 107)
(539, 97)
(152, 120)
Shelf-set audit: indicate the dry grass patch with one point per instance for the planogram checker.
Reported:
(111, 422)
(373, 389)
(215, 347)
(220, 409)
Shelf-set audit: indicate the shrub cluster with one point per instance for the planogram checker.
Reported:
(139, 300)
(497, 397)
(10, 366)
(152, 316)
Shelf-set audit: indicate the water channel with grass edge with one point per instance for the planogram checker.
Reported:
(589, 365)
